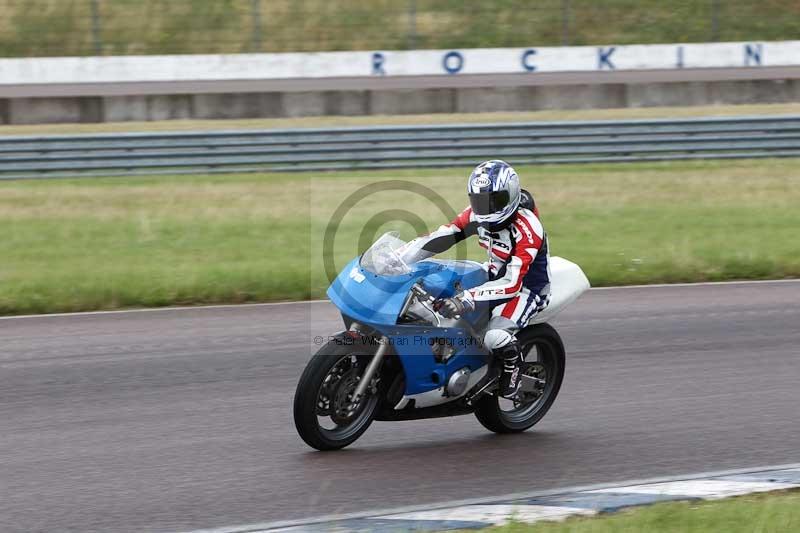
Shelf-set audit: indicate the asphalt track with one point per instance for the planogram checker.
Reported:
(181, 419)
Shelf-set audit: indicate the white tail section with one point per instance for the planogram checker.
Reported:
(567, 282)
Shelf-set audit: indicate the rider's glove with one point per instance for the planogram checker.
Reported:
(456, 306)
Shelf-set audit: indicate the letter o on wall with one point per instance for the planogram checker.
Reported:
(453, 62)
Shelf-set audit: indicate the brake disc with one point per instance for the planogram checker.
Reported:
(342, 407)
(329, 386)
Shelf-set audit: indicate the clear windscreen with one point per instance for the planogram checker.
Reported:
(384, 257)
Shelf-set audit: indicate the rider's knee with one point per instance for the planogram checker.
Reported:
(497, 338)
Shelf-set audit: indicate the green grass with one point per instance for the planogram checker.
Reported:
(103, 243)
(438, 118)
(762, 513)
(64, 27)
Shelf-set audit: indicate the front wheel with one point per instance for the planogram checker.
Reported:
(544, 365)
(324, 412)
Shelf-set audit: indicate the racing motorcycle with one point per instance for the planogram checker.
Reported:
(399, 359)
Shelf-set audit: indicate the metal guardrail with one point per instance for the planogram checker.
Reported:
(398, 146)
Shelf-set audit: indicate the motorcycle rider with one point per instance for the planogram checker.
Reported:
(518, 266)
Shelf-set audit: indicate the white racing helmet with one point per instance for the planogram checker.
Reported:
(494, 193)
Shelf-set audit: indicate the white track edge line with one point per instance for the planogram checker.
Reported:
(251, 528)
(164, 309)
(305, 302)
(698, 284)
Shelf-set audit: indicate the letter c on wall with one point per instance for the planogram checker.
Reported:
(526, 57)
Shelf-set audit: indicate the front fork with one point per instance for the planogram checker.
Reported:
(373, 366)
(372, 369)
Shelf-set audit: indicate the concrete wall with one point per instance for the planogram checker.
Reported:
(142, 88)
(41, 71)
(393, 101)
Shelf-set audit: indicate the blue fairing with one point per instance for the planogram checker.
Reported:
(369, 298)
(453, 276)
(377, 301)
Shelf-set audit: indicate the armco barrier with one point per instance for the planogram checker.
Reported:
(398, 146)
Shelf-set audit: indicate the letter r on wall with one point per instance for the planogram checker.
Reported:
(378, 60)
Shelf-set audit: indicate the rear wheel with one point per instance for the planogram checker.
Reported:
(544, 367)
(325, 415)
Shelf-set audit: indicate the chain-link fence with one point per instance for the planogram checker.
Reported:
(114, 27)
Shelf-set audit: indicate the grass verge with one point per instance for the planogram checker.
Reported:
(103, 243)
(66, 27)
(380, 120)
(764, 513)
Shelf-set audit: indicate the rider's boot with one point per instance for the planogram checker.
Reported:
(510, 356)
(507, 359)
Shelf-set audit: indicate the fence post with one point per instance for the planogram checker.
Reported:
(715, 20)
(412, 24)
(97, 38)
(255, 44)
(565, 11)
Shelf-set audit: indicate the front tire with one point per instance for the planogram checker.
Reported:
(544, 358)
(323, 393)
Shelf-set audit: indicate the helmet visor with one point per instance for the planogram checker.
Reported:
(486, 203)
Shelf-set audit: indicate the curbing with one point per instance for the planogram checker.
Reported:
(548, 505)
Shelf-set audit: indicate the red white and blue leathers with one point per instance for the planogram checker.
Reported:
(518, 265)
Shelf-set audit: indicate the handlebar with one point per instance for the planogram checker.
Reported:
(425, 300)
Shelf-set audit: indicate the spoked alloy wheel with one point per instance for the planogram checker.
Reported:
(325, 415)
(337, 414)
(543, 370)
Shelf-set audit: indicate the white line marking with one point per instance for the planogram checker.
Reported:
(306, 302)
(163, 309)
(253, 528)
(710, 489)
(696, 284)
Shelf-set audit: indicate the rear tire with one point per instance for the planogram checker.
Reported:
(308, 396)
(542, 341)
